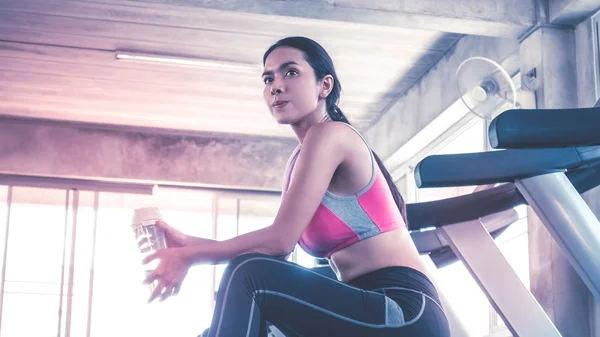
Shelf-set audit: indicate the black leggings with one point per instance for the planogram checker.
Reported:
(256, 289)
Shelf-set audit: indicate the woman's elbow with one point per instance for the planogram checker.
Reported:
(283, 244)
(284, 248)
(274, 249)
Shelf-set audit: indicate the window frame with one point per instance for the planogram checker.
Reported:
(72, 188)
(595, 22)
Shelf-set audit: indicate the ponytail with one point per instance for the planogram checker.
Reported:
(336, 114)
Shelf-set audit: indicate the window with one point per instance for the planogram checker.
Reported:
(51, 230)
(462, 293)
(34, 260)
(238, 216)
(119, 273)
(596, 46)
(4, 200)
(402, 185)
(85, 227)
(514, 245)
(468, 301)
(470, 139)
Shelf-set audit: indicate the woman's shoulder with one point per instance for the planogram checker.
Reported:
(346, 135)
(334, 130)
(336, 138)
(332, 137)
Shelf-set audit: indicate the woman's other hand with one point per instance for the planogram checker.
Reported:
(172, 268)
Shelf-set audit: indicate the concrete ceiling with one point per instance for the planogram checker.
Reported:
(57, 61)
(57, 57)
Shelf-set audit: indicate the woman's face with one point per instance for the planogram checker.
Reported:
(291, 89)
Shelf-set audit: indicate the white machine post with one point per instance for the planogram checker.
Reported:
(569, 220)
(521, 312)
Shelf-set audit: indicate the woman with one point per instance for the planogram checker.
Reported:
(339, 203)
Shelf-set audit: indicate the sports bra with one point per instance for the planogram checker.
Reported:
(340, 221)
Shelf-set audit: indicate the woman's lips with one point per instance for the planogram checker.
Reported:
(279, 104)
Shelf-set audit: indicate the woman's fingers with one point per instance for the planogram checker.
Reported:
(169, 273)
(157, 291)
(164, 290)
(162, 225)
(151, 257)
(174, 237)
(168, 291)
(153, 276)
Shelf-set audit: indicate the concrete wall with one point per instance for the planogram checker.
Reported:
(435, 92)
(60, 150)
(586, 95)
(564, 62)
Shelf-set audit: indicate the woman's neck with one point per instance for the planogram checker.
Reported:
(302, 127)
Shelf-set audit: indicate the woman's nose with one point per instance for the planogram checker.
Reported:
(276, 87)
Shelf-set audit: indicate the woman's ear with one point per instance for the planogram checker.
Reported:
(326, 86)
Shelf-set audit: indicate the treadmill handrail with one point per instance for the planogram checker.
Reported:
(479, 204)
(463, 208)
(500, 166)
(545, 128)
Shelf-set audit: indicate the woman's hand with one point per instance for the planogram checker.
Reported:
(170, 272)
(173, 237)
(176, 239)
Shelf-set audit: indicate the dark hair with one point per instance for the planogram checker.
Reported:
(319, 60)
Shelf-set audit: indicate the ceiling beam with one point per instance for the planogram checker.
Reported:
(571, 12)
(69, 150)
(509, 18)
(198, 27)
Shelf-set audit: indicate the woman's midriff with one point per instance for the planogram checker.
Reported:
(393, 248)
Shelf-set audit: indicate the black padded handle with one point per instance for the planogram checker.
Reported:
(479, 204)
(463, 208)
(498, 166)
(549, 128)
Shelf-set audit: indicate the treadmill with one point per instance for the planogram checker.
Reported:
(548, 158)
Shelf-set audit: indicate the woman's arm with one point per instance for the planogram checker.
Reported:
(323, 150)
(190, 241)
(196, 241)
(216, 252)
(176, 239)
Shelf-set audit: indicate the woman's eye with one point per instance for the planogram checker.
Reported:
(291, 73)
(267, 80)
